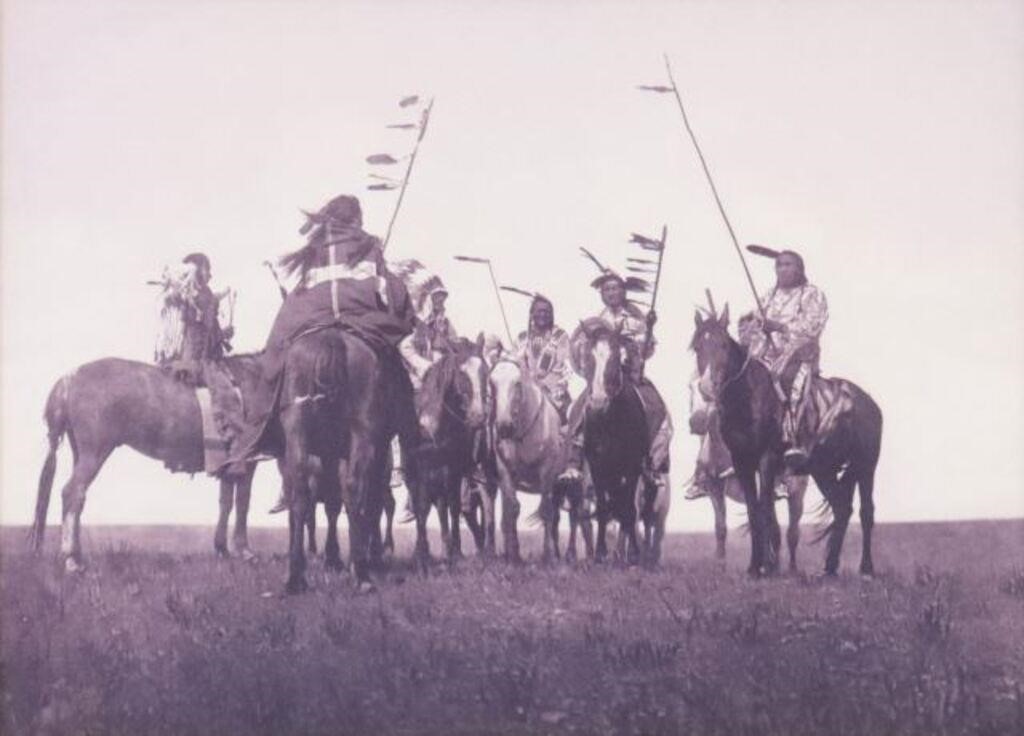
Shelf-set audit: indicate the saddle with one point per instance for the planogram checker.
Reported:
(221, 408)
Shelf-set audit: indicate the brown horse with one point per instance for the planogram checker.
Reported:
(341, 402)
(450, 408)
(714, 460)
(751, 413)
(616, 438)
(112, 402)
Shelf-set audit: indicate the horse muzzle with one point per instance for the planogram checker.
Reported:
(505, 430)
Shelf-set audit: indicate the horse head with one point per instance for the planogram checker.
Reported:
(714, 349)
(597, 356)
(473, 368)
(508, 384)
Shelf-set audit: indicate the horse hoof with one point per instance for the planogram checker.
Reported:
(296, 586)
(221, 552)
(248, 555)
(366, 587)
(334, 564)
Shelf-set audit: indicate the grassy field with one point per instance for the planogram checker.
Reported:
(160, 637)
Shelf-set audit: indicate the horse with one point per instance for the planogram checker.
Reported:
(341, 402)
(714, 460)
(529, 452)
(111, 402)
(450, 409)
(751, 415)
(616, 437)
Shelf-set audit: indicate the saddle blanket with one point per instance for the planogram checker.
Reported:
(215, 445)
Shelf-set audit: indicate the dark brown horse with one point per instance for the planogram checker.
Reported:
(616, 438)
(113, 402)
(714, 460)
(342, 402)
(751, 416)
(450, 408)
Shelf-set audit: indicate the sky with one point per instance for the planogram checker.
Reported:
(883, 141)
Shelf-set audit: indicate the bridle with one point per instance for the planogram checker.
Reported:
(716, 399)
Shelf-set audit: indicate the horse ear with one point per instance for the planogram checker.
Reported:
(480, 343)
(697, 319)
(723, 319)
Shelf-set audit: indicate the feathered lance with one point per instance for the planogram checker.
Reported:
(674, 89)
(648, 334)
(497, 292)
(424, 120)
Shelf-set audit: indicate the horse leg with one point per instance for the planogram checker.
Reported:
(772, 533)
(662, 502)
(376, 504)
(867, 519)
(509, 518)
(574, 522)
(796, 487)
(469, 513)
(227, 497)
(86, 465)
(601, 548)
(629, 519)
(332, 475)
(360, 479)
(243, 494)
(746, 477)
(454, 494)
(297, 477)
(332, 549)
(389, 514)
(842, 509)
(717, 496)
(487, 499)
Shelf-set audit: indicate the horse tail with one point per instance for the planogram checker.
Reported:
(56, 417)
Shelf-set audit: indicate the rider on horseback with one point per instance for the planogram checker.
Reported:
(433, 336)
(190, 329)
(637, 328)
(796, 312)
(343, 280)
(543, 349)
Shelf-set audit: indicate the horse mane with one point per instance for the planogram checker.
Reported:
(436, 381)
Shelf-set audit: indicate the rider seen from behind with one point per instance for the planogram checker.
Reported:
(343, 280)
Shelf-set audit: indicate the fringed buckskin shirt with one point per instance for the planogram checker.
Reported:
(802, 311)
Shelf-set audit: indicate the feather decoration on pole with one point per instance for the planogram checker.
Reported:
(674, 89)
(386, 159)
(497, 292)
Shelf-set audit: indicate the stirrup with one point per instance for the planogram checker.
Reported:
(695, 491)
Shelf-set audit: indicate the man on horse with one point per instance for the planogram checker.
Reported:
(543, 349)
(786, 340)
(637, 329)
(433, 335)
(343, 280)
(190, 331)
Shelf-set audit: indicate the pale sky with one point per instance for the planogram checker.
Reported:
(881, 140)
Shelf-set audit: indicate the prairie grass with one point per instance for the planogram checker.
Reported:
(160, 637)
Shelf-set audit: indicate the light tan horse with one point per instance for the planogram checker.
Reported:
(529, 453)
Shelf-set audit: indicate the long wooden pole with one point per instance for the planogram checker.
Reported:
(497, 291)
(408, 171)
(718, 199)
